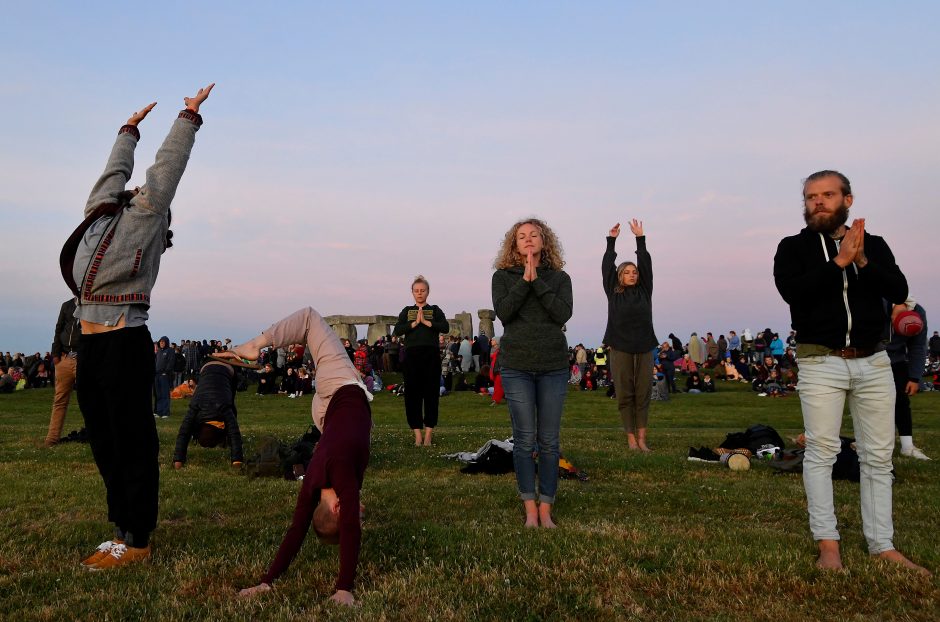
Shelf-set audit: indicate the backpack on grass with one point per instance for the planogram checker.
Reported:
(269, 460)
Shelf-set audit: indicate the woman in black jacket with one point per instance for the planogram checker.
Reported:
(629, 289)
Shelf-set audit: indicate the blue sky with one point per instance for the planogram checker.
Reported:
(348, 147)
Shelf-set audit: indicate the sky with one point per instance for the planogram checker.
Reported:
(348, 147)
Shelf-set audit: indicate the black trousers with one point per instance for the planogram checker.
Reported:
(115, 383)
(422, 386)
(902, 405)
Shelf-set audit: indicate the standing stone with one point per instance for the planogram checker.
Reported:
(345, 331)
(486, 322)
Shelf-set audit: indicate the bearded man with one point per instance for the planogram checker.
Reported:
(835, 278)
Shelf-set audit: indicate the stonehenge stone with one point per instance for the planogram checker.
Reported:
(486, 322)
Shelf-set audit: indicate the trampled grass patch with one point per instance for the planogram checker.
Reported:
(648, 537)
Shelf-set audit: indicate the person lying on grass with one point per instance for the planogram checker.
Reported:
(329, 496)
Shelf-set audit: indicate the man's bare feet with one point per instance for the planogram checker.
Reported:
(829, 556)
(545, 516)
(631, 441)
(251, 591)
(896, 557)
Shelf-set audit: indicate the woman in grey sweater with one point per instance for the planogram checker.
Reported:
(629, 289)
(532, 299)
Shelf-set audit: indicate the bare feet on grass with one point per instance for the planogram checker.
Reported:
(531, 513)
(631, 441)
(896, 557)
(417, 438)
(252, 591)
(829, 556)
(545, 516)
(344, 598)
(427, 436)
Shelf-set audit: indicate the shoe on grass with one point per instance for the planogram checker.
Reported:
(101, 552)
(914, 452)
(122, 555)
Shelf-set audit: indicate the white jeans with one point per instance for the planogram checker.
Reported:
(824, 384)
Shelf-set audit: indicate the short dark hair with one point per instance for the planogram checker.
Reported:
(846, 185)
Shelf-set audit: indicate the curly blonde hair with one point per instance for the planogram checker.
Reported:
(552, 254)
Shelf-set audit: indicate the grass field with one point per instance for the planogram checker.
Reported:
(649, 537)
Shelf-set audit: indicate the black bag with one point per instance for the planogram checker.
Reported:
(301, 451)
(753, 438)
(269, 461)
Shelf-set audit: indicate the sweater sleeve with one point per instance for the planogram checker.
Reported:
(234, 434)
(402, 326)
(307, 501)
(440, 323)
(644, 264)
(882, 273)
(185, 433)
(59, 327)
(116, 172)
(164, 175)
(558, 301)
(343, 477)
(794, 281)
(508, 300)
(609, 267)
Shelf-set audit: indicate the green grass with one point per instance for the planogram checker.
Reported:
(649, 537)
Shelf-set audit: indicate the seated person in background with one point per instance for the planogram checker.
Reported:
(212, 417)
(587, 381)
(772, 386)
(288, 382)
(693, 384)
(483, 382)
(731, 372)
(304, 384)
(742, 368)
(460, 383)
(708, 385)
(39, 376)
(762, 371)
(267, 384)
(184, 390)
(7, 384)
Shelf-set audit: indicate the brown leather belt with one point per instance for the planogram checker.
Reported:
(853, 353)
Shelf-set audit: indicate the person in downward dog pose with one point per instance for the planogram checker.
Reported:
(329, 496)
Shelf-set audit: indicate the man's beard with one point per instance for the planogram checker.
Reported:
(826, 223)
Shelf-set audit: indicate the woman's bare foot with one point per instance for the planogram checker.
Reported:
(896, 557)
(427, 436)
(545, 516)
(829, 556)
(641, 440)
(250, 350)
(417, 438)
(531, 513)
(631, 441)
(251, 591)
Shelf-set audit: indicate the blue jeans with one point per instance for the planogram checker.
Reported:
(535, 406)
(161, 386)
(826, 382)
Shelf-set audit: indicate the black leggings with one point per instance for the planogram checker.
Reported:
(422, 386)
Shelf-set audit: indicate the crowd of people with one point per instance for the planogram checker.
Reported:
(841, 284)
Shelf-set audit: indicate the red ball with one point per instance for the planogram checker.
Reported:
(908, 323)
